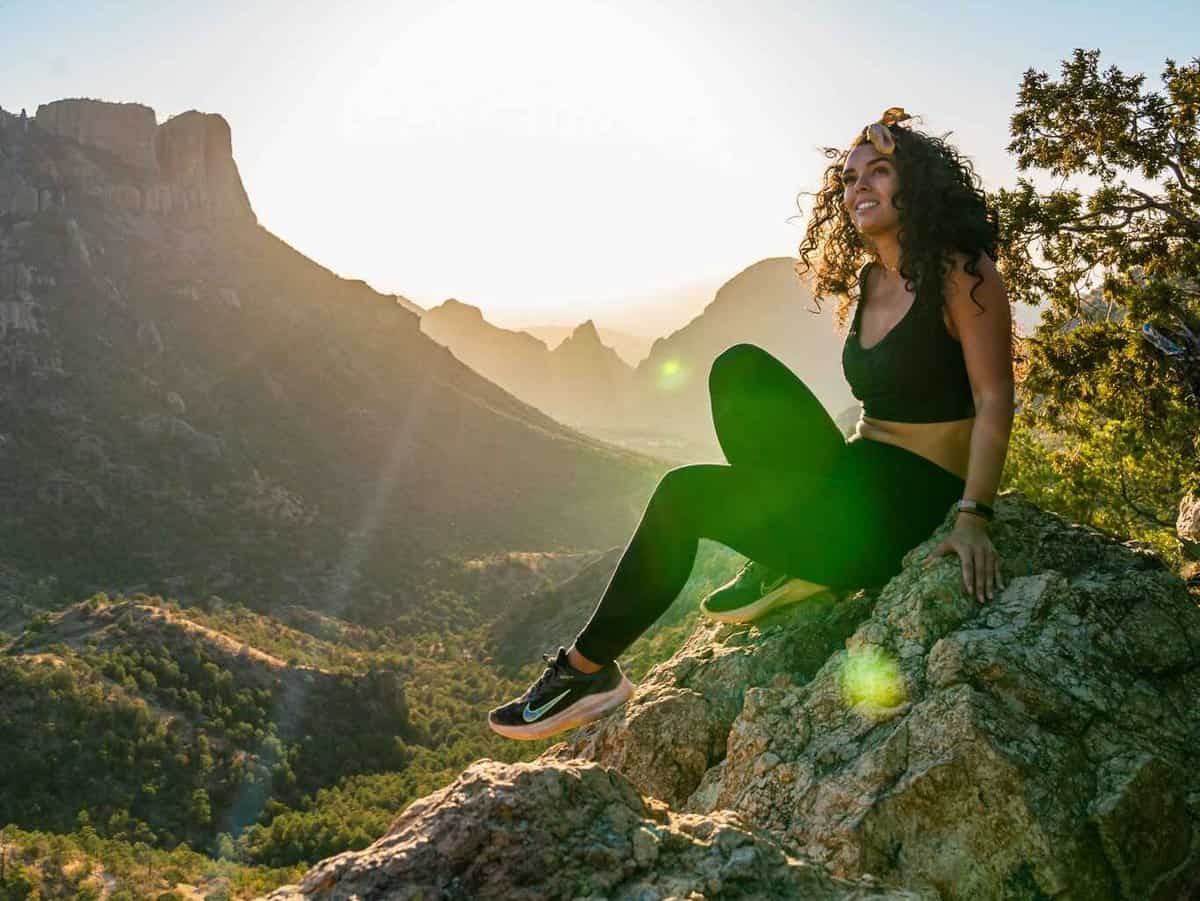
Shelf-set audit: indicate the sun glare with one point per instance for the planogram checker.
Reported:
(871, 679)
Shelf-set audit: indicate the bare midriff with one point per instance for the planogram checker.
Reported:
(948, 444)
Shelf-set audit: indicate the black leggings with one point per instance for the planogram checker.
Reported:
(797, 497)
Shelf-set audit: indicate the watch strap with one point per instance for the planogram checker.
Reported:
(976, 507)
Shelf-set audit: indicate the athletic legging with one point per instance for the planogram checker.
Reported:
(796, 497)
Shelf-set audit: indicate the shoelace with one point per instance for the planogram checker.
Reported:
(756, 576)
(551, 668)
(748, 574)
(770, 582)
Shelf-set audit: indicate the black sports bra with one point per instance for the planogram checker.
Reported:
(915, 373)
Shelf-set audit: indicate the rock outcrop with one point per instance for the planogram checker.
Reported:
(195, 150)
(1038, 746)
(567, 830)
(184, 167)
(677, 726)
(126, 130)
(1187, 525)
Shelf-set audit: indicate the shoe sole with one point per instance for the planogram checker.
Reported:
(586, 710)
(789, 592)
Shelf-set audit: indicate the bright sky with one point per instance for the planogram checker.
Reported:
(555, 160)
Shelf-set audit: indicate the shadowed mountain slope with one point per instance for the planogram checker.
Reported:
(189, 404)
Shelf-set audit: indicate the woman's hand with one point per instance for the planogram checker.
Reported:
(980, 563)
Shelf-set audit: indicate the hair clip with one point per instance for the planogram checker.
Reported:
(880, 135)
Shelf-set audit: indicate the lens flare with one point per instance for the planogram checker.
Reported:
(673, 374)
(871, 677)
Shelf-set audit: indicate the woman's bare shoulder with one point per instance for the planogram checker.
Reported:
(985, 266)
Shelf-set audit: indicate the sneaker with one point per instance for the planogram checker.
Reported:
(561, 699)
(753, 592)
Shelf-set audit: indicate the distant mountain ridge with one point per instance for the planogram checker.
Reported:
(632, 349)
(582, 381)
(665, 399)
(764, 304)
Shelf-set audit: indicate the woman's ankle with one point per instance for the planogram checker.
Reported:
(581, 663)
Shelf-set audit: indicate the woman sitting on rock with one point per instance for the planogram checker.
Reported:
(929, 354)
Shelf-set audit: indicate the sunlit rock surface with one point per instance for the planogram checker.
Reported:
(1187, 526)
(1038, 746)
(676, 727)
(124, 129)
(185, 165)
(567, 830)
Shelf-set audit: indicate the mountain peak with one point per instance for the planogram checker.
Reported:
(453, 305)
(587, 331)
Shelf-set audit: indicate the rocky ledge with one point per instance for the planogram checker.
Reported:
(912, 742)
(567, 830)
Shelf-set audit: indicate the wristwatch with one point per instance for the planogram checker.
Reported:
(979, 509)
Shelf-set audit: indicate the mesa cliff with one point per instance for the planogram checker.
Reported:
(185, 165)
(908, 742)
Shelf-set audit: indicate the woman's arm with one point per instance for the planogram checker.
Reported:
(986, 338)
(989, 447)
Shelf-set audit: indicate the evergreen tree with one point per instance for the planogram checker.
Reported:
(1111, 382)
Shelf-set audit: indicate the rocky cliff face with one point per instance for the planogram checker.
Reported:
(184, 166)
(125, 130)
(1039, 746)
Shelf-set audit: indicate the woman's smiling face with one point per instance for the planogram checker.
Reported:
(870, 177)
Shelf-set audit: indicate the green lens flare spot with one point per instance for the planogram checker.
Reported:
(672, 375)
(871, 678)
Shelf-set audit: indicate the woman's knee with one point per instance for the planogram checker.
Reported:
(739, 364)
(682, 490)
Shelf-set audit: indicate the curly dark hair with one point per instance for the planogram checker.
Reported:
(942, 210)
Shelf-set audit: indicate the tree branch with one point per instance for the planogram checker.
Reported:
(1136, 509)
(1183, 182)
(1193, 225)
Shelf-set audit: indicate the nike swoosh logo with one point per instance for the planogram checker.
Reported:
(531, 715)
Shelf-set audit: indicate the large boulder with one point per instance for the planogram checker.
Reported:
(566, 830)
(677, 725)
(1036, 746)
(1187, 525)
